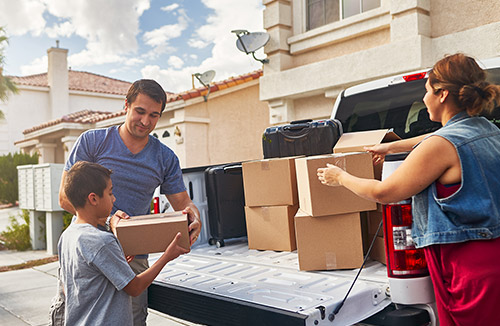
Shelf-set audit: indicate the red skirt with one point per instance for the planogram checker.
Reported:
(466, 279)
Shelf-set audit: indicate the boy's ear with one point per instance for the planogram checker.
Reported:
(92, 199)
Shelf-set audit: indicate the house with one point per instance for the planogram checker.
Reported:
(55, 95)
(226, 127)
(318, 48)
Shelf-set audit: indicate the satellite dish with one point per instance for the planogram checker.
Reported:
(205, 79)
(250, 42)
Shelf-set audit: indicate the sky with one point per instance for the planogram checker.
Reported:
(165, 40)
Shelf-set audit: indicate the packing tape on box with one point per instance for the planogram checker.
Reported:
(264, 165)
(330, 260)
(339, 162)
(266, 215)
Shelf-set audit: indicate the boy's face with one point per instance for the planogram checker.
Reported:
(106, 201)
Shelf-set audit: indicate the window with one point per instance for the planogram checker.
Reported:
(354, 7)
(322, 12)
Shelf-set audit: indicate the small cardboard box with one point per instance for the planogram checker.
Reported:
(317, 199)
(146, 234)
(356, 141)
(270, 182)
(271, 227)
(329, 242)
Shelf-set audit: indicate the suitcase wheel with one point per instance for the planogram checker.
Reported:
(218, 243)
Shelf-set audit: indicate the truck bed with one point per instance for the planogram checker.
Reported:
(233, 285)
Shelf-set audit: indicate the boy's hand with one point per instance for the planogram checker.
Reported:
(129, 258)
(115, 218)
(174, 250)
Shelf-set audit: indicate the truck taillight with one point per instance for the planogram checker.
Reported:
(417, 76)
(156, 205)
(403, 259)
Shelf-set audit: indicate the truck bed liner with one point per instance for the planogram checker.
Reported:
(233, 285)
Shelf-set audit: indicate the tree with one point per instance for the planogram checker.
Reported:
(7, 86)
(8, 175)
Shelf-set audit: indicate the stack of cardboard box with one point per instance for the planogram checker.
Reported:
(271, 203)
(330, 226)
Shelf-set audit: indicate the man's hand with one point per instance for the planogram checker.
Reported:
(194, 223)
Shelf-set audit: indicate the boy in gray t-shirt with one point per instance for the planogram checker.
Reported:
(98, 281)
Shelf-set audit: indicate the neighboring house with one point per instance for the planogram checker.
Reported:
(226, 128)
(319, 47)
(55, 95)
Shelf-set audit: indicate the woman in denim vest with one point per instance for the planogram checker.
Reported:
(453, 177)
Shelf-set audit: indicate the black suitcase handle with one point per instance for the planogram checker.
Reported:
(298, 125)
(300, 121)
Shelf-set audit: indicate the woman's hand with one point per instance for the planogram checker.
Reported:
(330, 175)
(378, 152)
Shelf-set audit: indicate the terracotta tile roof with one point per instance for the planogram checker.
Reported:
(82, 117)
(80, 81)
(217, 86)
(89, 117)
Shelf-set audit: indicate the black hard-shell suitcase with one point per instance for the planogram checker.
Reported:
(226, 202)
(302, 137)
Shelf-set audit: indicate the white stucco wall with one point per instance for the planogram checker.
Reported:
(28, 108)
(31, 107)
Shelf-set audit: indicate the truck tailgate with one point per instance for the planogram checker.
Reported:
(233, 285)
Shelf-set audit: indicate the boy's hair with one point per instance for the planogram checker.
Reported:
(83, 179)
(150, 88)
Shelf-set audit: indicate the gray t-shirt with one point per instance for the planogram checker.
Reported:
(135, 176)
(94, 272)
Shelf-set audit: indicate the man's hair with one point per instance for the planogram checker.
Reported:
(83, 179)
(150, 88)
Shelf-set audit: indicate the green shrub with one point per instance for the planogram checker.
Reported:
(8, 175)
(17, 235)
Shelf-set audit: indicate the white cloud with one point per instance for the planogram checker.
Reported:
(225, 58)
(37, 66)
(172, 7)
(165, 33)
(175, 62)
(22, 16)
(65, 29)
(197, 43)
(110, 27)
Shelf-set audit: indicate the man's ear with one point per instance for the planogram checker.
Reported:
(125, 106)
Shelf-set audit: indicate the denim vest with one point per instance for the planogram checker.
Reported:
(473, 211)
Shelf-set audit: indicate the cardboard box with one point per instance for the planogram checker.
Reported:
(356, 141)
(151, 233)
(270, 182)
(329, 242)
(271, 227)
(317, 199)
